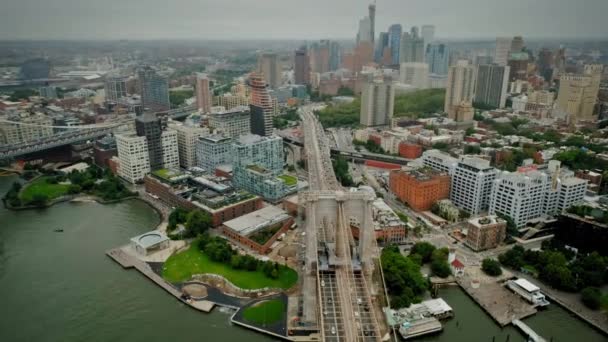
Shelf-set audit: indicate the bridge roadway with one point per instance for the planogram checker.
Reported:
(345, 311)
(352, 154)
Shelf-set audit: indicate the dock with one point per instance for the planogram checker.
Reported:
(501, 304)
(531, 334)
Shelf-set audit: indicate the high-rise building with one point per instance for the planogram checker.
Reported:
(115, 87)
(302, 66)
(472, 183)
(381, 45)
(415, 74)
(545, 64)
(439, 161)
(229, 101)
(377, 102)
(335, 56)
(412, 47)
(518, 65)
(502, 51)
(257, 164)
(48, 92)
(519, 195)
(372, 17)
(35, 69)
(578, 93)
(517, 44)
(419, 188)
(187, 137)
(203, 94)
(491, 85)
(394, 32)
(213, 151)
(428, 34)
(154, 90)
(464, 112)
(149, 149)
(134, 162)
(232, 123)
(460, 87)
(260, 106)
(270, 67)
(438, 57)
(367, 26)
(319, 56)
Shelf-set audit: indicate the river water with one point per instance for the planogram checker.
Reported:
(62, 287)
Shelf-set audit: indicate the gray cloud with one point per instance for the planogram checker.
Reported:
(298, 19)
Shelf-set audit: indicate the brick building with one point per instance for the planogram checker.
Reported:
(419, 188)
(410, 151)
(485, 232)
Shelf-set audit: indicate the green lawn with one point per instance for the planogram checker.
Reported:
(182, 266)
(40, 186)
(267, 312)
(289, 180)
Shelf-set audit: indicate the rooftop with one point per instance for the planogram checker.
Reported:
(149, 239)
(526, 285)
(252, 222)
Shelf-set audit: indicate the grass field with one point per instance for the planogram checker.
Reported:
(267, 312)
(182, 266)
(289, 180)
(40, 186)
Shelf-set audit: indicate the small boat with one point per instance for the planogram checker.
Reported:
(58, 230)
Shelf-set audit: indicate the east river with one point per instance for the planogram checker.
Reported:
(60, 286)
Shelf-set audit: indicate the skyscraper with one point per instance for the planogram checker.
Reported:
(377, 103)
(438, 58)
(394, 41)
(518, 63)
(203, 95)
(372, 18)
(472, 182)
(545, 64)
(260, 106)
(381, 44)
(302, 66)
(517, 44)
(270, 67)
(460, 87)
(428, 34)
(150, 126)
(154, 90)
(115, 87)
(319, 56)
(335, 56)
(491, 85)
(578, 93)
(412, 47)
(366, 26)
(415, 74)
(503, 48)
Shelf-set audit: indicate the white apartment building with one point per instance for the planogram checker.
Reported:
(440, 161)
(133, 156)
(520, 196)
(415, 74)
(460, 86)
(233, 122)
(187, 137)
(213, 151)
(170, 149)
(564, 189)
(472, 182)
(377, 103)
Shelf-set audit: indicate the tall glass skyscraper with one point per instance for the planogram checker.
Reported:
(438, 57)
(394, 41)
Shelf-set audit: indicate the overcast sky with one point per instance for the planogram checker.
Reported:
(297, 19)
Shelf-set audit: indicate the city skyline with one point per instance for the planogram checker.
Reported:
(216, 20)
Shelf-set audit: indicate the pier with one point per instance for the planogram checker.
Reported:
(531, 334)
(501, 304)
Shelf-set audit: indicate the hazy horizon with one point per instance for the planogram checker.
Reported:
(295, 20)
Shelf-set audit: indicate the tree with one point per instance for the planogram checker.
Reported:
(591, 297)
(197, 222)
(424, 249)
(74, 189)
(439, 263)
(39, 199)
(177, 216)
(491, 267)
(404, 281)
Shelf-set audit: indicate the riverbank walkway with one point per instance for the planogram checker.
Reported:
(531, 334)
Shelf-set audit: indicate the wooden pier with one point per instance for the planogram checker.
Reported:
(501, 304)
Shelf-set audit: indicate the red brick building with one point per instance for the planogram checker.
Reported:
(419, 188)
(410, 151)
